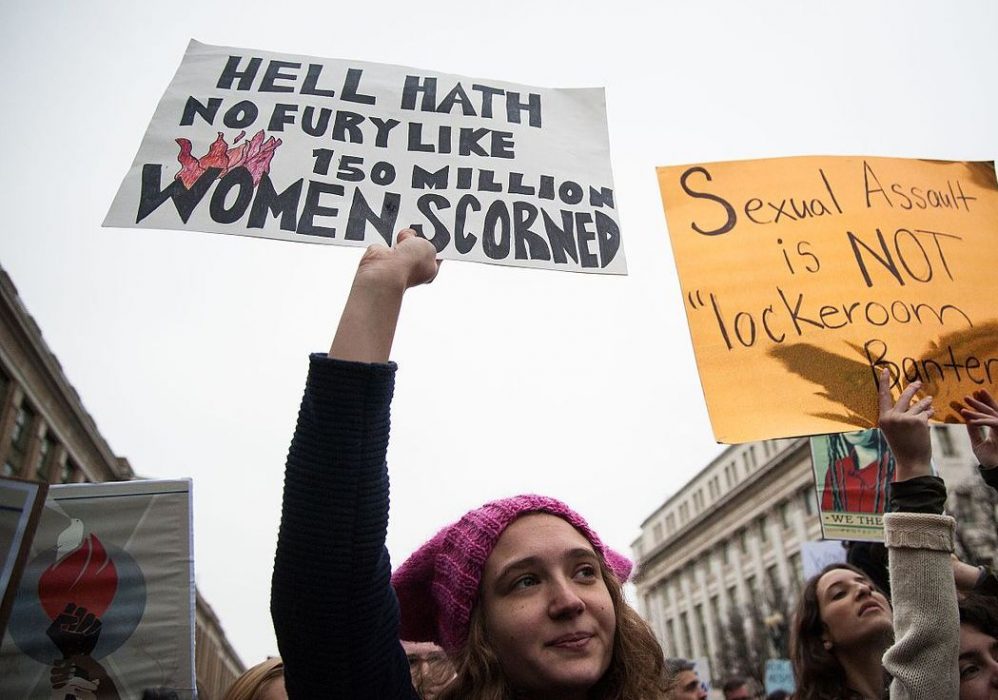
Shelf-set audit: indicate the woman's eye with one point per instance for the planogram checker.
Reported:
(968, 671)
(586, 572)
(525, 582)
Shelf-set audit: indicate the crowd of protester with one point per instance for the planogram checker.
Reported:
(520, 598)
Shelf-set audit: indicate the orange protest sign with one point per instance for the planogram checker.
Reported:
(802, 276)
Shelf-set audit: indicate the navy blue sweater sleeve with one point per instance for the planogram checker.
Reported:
(334, 610)
(990, 476)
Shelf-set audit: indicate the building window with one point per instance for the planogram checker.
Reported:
(808, 496)
(657, 532)
(733, 595)
(796, 566)
(67, 472)
(763, 529)
(684, 512)
(18, 441)
(784, 509)
(766, 448)
(671, 626)
(670, 523)
(742, 542)
(773, 578)
(753, 589)
(701, 627)
(41, 463)
(684, 626)
(945, 441)
(724, 552)
(745, 463)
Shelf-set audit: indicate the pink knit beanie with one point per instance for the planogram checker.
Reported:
(438, 585)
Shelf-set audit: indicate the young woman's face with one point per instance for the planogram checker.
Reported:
(978, 664)
(852, 610)
(547, 609)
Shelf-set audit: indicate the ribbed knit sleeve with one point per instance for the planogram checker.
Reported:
(923, 658)
(334, 611)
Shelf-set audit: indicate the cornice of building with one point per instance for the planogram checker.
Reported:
(29, 336)
(740, 493)
(209, 620)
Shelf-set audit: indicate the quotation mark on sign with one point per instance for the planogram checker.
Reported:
(697, 302)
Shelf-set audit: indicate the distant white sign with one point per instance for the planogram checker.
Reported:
(319, 150)
(779, 675)
(815, 556)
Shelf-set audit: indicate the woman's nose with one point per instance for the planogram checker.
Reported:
(565, 601)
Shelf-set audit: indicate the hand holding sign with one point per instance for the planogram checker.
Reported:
(367, 326)
(906, 427)
(410, 263)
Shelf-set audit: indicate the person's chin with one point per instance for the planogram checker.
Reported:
(582, 669)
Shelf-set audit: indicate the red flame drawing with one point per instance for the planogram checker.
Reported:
(254, 155)
(85, 577)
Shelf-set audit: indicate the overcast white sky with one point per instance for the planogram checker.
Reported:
(190, 349)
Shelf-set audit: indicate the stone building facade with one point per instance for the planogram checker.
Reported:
(46, 434)
(735, 532)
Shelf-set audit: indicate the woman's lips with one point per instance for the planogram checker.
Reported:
(576, 640)
(869, 606)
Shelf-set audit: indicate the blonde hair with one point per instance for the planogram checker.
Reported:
(249, 685)
(637, 666)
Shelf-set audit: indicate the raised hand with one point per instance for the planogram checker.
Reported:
(980, 411)
(410, 262)
(906, 427)
(367, 325)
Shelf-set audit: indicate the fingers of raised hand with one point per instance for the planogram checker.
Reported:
(904, 400)
(922, 407)
(420, 254)
(985, 397)
(884, 392)
(977, 418)
(981, 406)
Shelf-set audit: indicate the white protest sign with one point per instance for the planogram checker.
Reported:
(320, 150)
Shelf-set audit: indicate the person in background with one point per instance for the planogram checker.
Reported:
(736, 688)
(978, 647)
(265, 681)
(686, 683)
(844, 625)
(430, 668)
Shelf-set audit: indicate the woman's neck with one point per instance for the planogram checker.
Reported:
(865, 671)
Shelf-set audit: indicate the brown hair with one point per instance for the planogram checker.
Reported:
(249, 685)
(637, 666)
(818, 673)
